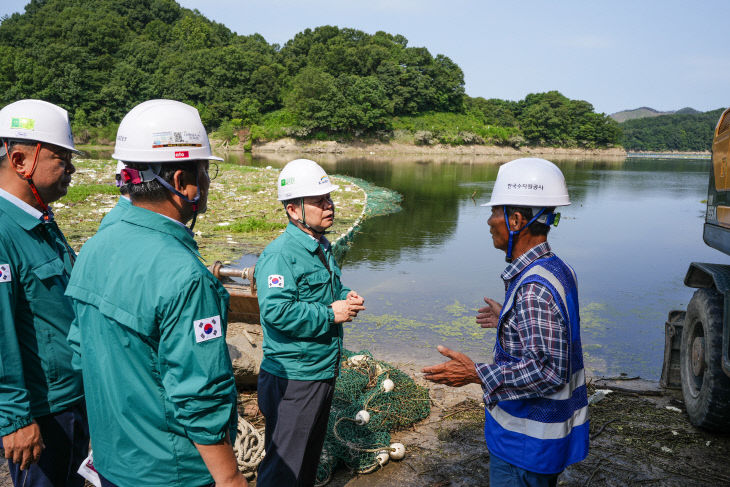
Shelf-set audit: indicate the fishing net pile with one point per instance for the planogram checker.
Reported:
(390, 399)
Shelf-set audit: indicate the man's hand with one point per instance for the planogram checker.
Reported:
(346, 309)
(221, 463)
(488, 316)
(24, 446)
(354, 298)
(457, 372)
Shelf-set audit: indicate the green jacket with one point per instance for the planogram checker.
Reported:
(116, 213)
(150, 331)
(301, 339)
(36, 377)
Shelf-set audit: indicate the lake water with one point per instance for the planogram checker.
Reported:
(631, 232)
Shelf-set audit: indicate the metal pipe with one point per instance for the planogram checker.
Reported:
(219, 270)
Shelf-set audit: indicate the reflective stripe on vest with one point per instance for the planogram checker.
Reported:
(508, 420)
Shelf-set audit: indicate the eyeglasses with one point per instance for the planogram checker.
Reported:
(322, 202)
(212, 170)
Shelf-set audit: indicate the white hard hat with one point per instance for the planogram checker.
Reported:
(159, 131)
(302, 177)
(530, 181)
(36, 121)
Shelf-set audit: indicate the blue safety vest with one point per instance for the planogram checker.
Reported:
(545, 434)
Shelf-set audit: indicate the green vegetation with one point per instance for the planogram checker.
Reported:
(255, 225)
(79, 193)
(236, 222)
(540, 119)
(99, 58)
(453, 129)
(676, 132)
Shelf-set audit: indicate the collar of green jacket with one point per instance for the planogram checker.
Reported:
(304, 239)
(22, 218)
(143, 217)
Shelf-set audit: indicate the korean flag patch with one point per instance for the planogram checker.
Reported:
(6, 276)
(207, 329)
(276, 281)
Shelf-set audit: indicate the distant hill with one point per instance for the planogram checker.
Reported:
(646, 112)
(686, 111)
(686, 130)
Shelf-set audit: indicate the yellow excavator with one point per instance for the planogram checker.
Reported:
(697, 342)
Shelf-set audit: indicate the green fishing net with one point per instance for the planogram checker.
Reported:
(380, 201)
(360, 387)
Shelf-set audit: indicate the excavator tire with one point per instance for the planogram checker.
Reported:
(705, 387)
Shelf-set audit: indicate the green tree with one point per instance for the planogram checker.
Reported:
(674, 132)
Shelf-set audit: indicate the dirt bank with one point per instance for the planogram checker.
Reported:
(639, 436)
(289, 145)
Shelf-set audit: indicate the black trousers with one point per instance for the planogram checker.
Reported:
(66, 436)
(296, 414)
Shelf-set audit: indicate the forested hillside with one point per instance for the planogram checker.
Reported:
(98, 58)
(644, 112)
(677, 132)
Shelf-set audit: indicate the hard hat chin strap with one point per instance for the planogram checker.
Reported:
(28, 176)
(513, 233)
(302, 220)
(193, 201)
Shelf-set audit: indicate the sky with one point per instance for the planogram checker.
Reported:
(617, 55)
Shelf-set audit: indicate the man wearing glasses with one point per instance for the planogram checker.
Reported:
(151, 319)
(43, 426)
(303, 305)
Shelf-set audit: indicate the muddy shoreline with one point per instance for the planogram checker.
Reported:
(640, 435)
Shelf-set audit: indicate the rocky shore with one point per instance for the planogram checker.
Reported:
(290, 145)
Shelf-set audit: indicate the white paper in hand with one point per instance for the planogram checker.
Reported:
(87, 470)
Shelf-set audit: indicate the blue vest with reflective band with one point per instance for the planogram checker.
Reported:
(546, 434)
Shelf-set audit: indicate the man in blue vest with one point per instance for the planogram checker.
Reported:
(534, 393)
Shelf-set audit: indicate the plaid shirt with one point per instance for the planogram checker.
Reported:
(532, 331)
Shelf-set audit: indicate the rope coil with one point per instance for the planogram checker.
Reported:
(249, 448)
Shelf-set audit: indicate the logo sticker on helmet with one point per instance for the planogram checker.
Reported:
(175, 139)
(324, 179)
(181, 154)
(5, 275)
(525, 186)
(22, 123)
(207, 328)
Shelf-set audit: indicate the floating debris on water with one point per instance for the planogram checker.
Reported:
(242, 199)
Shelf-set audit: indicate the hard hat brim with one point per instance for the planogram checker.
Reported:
(534, 202)
(34, 141)
(332, 187)
(129, 160)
